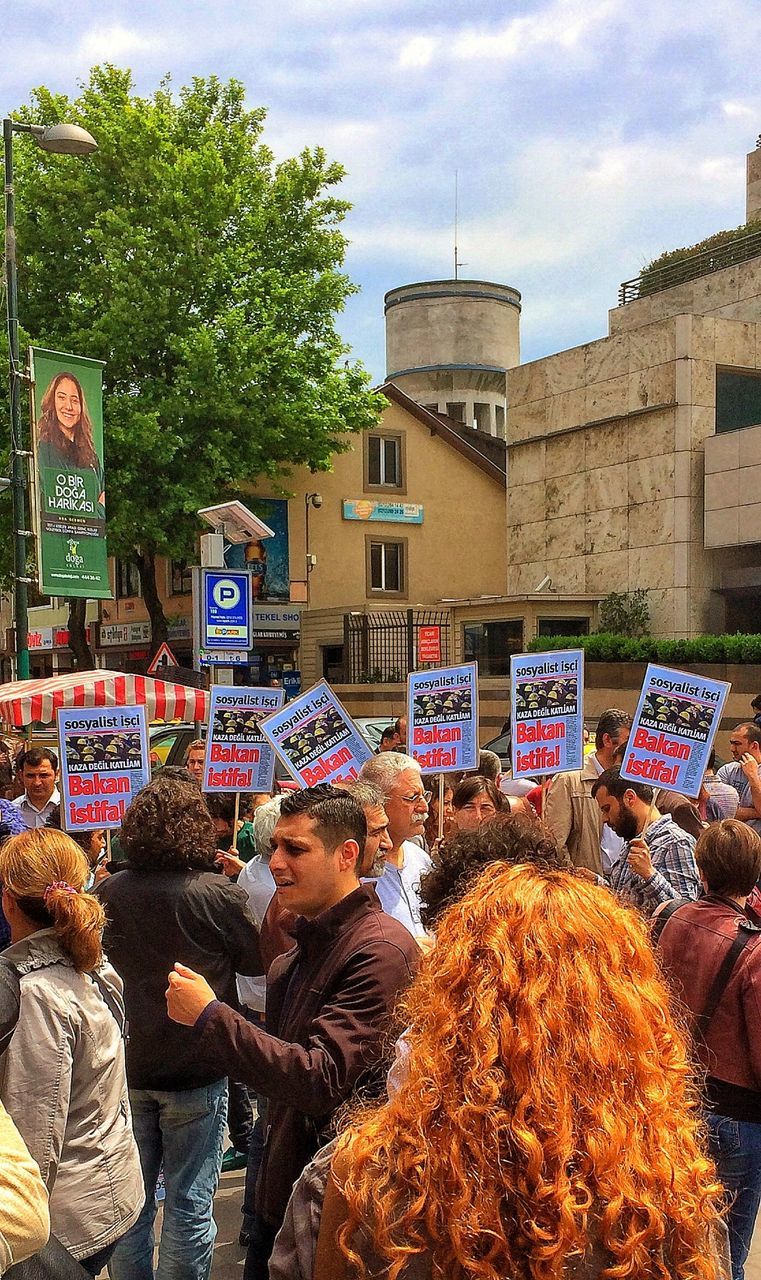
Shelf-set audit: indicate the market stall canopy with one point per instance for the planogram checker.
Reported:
(26, 702)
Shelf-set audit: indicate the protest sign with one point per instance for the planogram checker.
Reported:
(673, 731)
(104, 763)
(238, 756)
(547, 712)
(442, 718)
(69, 504)
(316, 738)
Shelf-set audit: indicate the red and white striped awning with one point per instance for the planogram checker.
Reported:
(25, 702)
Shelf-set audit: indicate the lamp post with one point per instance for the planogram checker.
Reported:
(310, 500)
(61, 139)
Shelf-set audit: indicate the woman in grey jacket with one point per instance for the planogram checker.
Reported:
(63, 1077)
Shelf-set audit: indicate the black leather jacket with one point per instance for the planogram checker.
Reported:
(156, 918)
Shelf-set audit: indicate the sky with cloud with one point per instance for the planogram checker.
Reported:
(588, 135)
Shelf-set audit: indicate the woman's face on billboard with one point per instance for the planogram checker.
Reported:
(68, 406)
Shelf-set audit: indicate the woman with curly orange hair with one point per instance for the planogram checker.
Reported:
(548, 1125)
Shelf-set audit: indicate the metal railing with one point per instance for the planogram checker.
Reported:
(382, 647)
(691, 267)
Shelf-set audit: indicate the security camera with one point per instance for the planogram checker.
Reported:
(315, 499)
(545, 584)
(236, 522)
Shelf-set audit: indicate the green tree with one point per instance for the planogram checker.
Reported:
(208, 277)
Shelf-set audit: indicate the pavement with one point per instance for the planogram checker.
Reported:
(228, 1254)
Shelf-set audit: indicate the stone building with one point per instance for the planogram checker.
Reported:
(633, 460)
(449, 344)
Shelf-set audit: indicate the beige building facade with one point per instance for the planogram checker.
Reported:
(634, 461)
(401, 511)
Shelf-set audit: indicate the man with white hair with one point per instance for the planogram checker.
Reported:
(399, 779)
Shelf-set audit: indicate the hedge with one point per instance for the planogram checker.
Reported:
(604, 646)
(649, 278)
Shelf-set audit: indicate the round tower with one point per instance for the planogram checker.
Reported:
(449, 344)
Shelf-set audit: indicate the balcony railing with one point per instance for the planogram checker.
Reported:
(691, 267)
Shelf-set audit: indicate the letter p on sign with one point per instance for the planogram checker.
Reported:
(226, 593)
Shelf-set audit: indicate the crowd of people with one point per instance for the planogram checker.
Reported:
(451, 1026)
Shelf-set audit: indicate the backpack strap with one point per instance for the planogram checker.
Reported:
(745, 932)
(663, 915)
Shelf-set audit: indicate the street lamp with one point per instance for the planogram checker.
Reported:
(310, 500)
(61, 139)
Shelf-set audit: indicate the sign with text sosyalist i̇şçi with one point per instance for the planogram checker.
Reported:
(316, 738)
(226, 609)
(104, 763)
(442, 718)
(238, 756)
(547, 712)
(673, 731)
(69, 505)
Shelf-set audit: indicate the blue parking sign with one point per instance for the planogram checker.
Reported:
(226, 610)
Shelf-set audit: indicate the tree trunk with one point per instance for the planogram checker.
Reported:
(80, 649)
(146, 564)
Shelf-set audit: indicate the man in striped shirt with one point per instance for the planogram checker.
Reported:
(658, 860)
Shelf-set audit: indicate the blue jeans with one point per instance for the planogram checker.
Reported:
(736, 1148)
(184, 1131)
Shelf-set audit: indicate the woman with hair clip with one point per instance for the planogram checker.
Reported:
(63, 1078)
(548, 1124)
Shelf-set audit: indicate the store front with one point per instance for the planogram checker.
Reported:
(49, 653)
(126, 646)
(276, 639)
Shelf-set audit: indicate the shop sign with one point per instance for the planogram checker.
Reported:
(277, 622)
(125, 633)
(46, 638)
(390, 512)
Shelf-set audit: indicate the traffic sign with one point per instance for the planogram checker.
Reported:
(163, 657)
(226, 616)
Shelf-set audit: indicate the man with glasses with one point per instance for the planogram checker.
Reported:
(399, 779)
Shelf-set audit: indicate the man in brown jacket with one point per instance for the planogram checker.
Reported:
(329, 1000)
(569, 809)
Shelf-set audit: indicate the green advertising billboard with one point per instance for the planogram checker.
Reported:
(69, 498)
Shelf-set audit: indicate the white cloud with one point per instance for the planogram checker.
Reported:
(418, 53)
(112, 44)
(739, 110)
(563, 24)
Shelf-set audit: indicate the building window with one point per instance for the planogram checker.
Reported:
(386, 566)
(456, 411)
(333, 663)
(127, 579)
(482, 417)
(384, 461)
(180, 578)
(562, 627)
(499, 420)
(738, 399)
(491, 643)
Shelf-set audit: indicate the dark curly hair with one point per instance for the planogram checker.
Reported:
(169, 828)
(509, 837)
